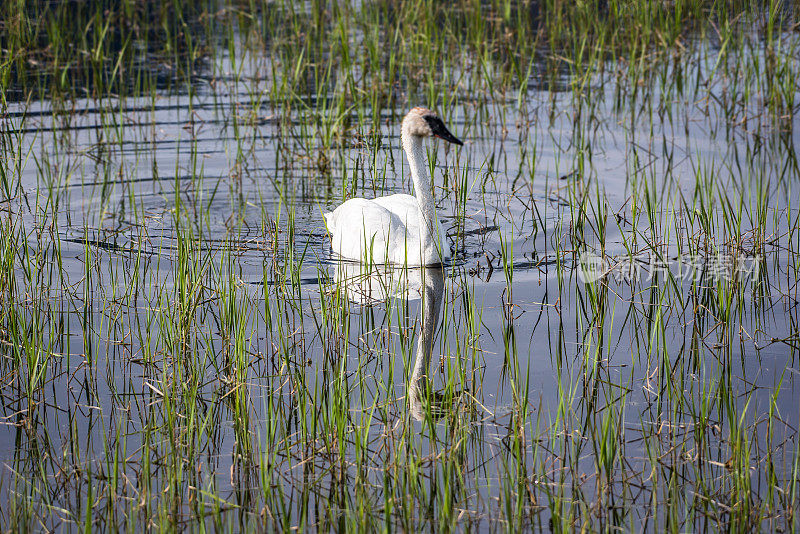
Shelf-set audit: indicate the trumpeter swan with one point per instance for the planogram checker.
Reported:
(398, 229)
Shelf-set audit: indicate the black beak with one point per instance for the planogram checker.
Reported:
(440, 130)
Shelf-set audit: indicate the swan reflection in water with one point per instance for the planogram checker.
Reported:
(369, 284)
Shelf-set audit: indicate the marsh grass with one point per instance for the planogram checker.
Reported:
(177, 353)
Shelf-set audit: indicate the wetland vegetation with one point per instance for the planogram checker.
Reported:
(613, 344)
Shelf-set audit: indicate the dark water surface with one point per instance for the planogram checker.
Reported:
(173, 275)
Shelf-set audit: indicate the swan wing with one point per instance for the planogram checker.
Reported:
(406, 208)
(362, 229)
(385, 229)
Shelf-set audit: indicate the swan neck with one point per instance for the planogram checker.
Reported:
(415, 152)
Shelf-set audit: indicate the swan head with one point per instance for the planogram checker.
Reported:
(422, 122)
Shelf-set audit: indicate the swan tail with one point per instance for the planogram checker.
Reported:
(329, 222)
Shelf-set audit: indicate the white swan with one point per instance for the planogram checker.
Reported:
(398, 229)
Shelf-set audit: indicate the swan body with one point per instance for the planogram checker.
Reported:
(396, 229)
(386, 230)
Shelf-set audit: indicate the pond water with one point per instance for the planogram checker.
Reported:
(178, 333)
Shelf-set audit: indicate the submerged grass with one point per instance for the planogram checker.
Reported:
(178, 350)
